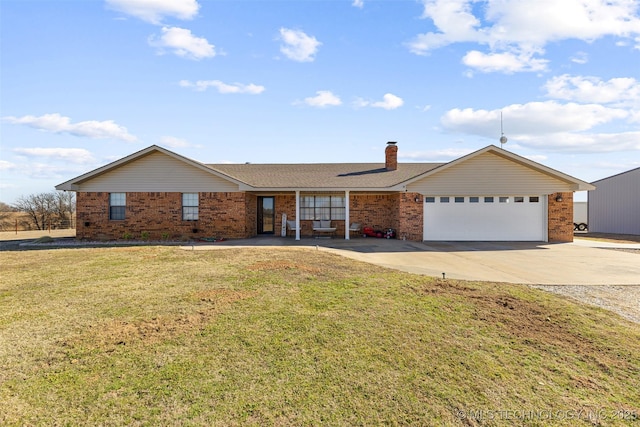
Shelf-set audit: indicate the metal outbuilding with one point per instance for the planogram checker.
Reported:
(614, 206)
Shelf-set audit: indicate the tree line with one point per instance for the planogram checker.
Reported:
(55, 209)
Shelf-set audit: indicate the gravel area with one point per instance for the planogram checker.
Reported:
(621, 299)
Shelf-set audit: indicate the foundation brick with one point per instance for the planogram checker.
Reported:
(159, 215)
(560, 218)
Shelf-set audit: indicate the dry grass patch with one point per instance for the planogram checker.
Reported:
(283, 265)
(158, 329)
(161, 336)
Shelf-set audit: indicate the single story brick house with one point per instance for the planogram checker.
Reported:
(489, 195)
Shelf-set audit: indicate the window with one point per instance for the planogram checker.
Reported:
(444, 200)
(117, 205)
(459, 199)
(474, 199)
(518, 199)
(504, 200)
(322, 207)
(190, 206)
(488, 199)
(429, 199)
(534, 199)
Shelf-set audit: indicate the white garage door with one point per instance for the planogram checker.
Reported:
(485, 218)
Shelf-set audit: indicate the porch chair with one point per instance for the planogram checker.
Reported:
(355, 227)
(291, 226)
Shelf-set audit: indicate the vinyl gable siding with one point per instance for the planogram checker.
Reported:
(488, 174)
(157, 172)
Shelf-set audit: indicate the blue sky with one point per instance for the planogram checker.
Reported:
(83, 83)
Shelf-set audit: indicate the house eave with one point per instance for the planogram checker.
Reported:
(74, 183)
(577, 184)
(392, 189)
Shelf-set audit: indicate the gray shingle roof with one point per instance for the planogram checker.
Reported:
(323, 175)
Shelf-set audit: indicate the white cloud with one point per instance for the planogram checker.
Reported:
(503, 62)
(154, 10)
(57, 123)
(522, 29)
(298, 46)
(323, 98)
(72, 155)
(389, 102)
(592, 89)
(38, 170)
(181, 42)
(616, 167)
(454, 19)
(202, 85)
(358, 3)
(7, 166)
(584, 143)
(534, 118)
(548, 126)
(580, 58)
(173, 142)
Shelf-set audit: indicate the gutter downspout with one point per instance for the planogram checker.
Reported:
(347, 223)
(297, 214)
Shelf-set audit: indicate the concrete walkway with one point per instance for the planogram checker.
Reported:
(580, 263)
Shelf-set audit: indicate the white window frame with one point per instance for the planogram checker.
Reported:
(117, 206)
(190, 206)
(322, 207)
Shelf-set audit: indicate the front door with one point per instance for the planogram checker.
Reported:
(266, 215)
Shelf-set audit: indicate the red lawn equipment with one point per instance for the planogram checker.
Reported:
(388, 233)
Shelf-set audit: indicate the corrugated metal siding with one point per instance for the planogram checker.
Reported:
(158, 172)
(488, 174)
(614, 206)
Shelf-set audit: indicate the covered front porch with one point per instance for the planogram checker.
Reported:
(400, 211)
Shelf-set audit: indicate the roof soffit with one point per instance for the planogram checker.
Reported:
(507, 155)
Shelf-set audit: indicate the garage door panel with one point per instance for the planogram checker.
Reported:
(484, 221)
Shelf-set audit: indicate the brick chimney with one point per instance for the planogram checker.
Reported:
(391, 156)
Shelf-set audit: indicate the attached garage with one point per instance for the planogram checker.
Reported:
(485, 218)
(495, 195)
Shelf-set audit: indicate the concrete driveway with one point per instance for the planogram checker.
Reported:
(580, 263)
(515, 262)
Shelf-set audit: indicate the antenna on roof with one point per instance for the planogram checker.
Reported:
(503, 139)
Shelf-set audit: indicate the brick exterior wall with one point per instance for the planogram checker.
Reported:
(228, 215)
(411, 217)
(560, 218)
(234, 215)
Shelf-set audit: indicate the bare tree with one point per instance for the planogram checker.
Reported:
(38, 207)
(47, 209)
(65, 208)
(6, 216)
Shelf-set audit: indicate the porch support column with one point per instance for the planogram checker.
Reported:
(347, 223)
(297, 214)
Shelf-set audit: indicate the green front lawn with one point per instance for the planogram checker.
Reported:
(162, 336)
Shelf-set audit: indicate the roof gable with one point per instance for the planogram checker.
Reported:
(129, 170)
(185, 174)
(497, 170)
